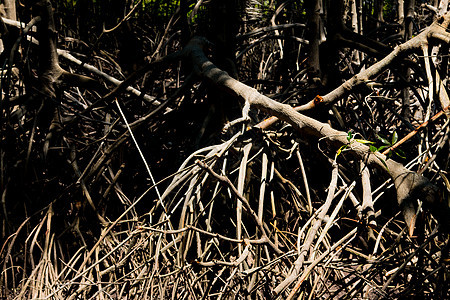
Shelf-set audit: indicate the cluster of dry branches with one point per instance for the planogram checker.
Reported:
(269, 210)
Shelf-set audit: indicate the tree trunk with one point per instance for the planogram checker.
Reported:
(313, 35)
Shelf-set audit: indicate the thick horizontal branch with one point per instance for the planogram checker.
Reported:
(437, 30)
(407, 183)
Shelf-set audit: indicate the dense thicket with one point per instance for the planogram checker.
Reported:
(224, 149)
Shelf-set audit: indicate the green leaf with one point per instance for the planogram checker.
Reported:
(384, 163)
(383, 147)
(394, 138)
(349, 136)
(400, 153)
(373, 148)
(383, 140)
(364, 141)
(342, 148)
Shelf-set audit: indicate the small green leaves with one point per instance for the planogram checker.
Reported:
(349, 136)
(400, 153)
(342, 148)
(387, 143)
(394, 138)
(383, 140)
(390, 144)
(384, 163)
(364, 141)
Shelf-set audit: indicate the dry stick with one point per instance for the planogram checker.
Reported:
(244, 201)
(208, 233)
(443, 95)
(301, 230)
(113, 182)
(108, 151)
(81, 176)
(34, 240)
(440, 145)
(227, 282)
(8, 251)
(305, 181)
(258, 41)
(132, 247)
(367, 203)
(194, 11)
(408, 259)
(84, 188)
(186, 238)
(144, 265)
(209, 219)
(262, 189)
(120, 84)
(38, 268)
(27, 283)
(70, 265)
(318, 260)
(311, 234)
(240, 189)
(91, 267)
(125, 84)
(272, 21)
(97, 271)
(215, 150)
(140, 152)
(262, 193)
(440, 88)
(107, 230)
(271, 263)
(187, 200)
(413, 133)
(47, 248)
(126, 18)
(380, 235)
(431, 83)
(332, 217)
(294, 190)
(314, 287)
(235, 263)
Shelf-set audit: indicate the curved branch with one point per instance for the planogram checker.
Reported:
(436, 31)
(408, 184)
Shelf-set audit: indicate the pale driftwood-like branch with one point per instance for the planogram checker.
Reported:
(94, 70)
(407, 183)
(296, 237)
(436, 31)
(81, 80)
(244, 202)
(366, 209)
(298, 264)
